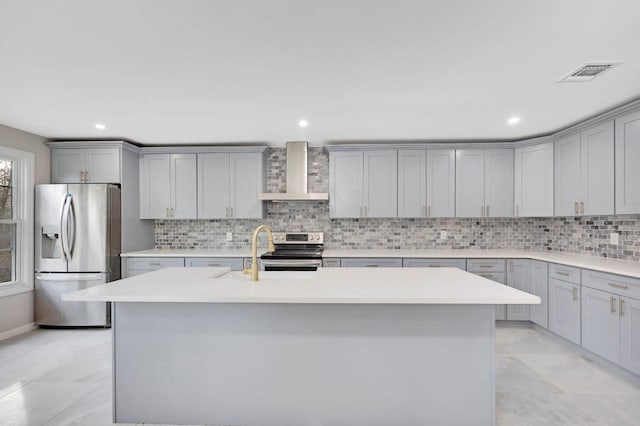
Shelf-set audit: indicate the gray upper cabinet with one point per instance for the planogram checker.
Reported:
(85, 165)
(426, 183)
(533, 180)
(627, 130)
(584, 172)
(363, 183)
(229, 184)
(167, 186)
(484, 183)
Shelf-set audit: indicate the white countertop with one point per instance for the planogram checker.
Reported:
(193, 253)
(613, 266)
(327, 285)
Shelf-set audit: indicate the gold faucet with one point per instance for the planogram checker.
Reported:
(254, 250)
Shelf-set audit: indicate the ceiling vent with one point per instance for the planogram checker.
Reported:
(587, 72)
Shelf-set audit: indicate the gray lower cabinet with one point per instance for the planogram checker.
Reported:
(140, 265)
(492, 269)
(564, 309)
(361, 262)
(630, 334)
(540, 287)
(434, 263)
(601, 323)
(331, 262)
(519, 276)
(235, 263)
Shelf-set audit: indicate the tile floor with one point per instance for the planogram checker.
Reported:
(62, 377)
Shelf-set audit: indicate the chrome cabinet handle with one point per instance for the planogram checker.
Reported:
(486, 266)
(81, 175)
(624, 287)
(575, 207)
(155, 263)
(510, 266)
(612, 304)
(213, 264)
(575, 293)
(166, 213)
(582, 207)
(230, 211)
(428, 211)
(371, 266)
(621, 306)
(226, 212)
(565, 274)
(487, 211)
(173, 212)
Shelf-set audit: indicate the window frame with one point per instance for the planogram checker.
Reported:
(23, 217)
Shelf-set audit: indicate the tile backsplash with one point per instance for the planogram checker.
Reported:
(583, 235)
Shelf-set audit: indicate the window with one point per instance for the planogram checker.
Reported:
(16, 221)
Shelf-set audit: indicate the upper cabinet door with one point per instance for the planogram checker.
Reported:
(103, 165)
(498, 183)
(598, 169)
(346, 180)
(246, 183)
(567, 176)
(412, 181)
(183, 186)
(213, 186)
(441, 183)
(470, 183)
(534, 180)
(67, 165)
(381, 183)
(155, 181)
(627, 164)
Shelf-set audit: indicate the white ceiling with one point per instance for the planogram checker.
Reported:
(159, 71)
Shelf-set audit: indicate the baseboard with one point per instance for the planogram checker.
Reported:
(18, 330)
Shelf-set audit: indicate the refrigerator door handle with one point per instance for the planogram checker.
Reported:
(64, 227)
(72, 209)
(65, 277)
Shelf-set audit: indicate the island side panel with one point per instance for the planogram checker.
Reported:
(304, 364)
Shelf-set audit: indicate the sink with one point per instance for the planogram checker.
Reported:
(272, 275)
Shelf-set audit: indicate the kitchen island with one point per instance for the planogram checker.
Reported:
(333, 347)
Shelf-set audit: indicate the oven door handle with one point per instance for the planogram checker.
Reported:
(292, 262)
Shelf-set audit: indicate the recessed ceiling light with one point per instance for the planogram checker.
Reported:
(100, 126)
(303, 123)
(513, 120)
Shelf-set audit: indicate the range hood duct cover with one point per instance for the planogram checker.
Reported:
(296, 170)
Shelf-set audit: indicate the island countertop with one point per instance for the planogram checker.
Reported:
(325, 286)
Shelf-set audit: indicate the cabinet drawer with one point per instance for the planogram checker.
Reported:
(485, 265)
(371, 263)
(235, 263)
(435, 263)
(564, 273)
(154, 263)
(494, 276)
(331, 263)
(618, 284)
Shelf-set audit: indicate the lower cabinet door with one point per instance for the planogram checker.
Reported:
(540, 287)
(564, 309)
(630, 334)
(519, 276)
(600, 323)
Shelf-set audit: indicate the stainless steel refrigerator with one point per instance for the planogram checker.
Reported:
(77, 246)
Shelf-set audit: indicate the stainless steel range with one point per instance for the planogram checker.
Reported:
(295, 251)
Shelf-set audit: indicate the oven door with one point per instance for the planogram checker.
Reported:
(291, 264)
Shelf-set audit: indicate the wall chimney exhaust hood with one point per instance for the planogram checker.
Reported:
(296, 177)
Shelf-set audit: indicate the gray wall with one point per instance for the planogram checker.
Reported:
(586, 235)
(17, 310)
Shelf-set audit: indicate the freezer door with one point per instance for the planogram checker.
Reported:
(84, 222)
(49, 249)
(52, 311)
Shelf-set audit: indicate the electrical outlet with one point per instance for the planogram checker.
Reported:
(614, 238)
(229, 236)
(443, 235)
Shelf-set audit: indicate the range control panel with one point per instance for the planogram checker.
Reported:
(298, 238)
